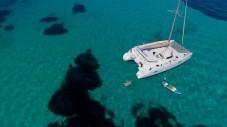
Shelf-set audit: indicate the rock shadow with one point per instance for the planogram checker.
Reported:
(55, 29)
(48, 19)
(72, 100)
(154, 115)
(4, 14)
(78, 8)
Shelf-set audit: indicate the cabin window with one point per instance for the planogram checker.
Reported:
(155, 71)
(157, 65)
(176, 56)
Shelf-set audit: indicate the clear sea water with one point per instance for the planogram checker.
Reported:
(33, 65)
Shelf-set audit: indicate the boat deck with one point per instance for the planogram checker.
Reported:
(158, 58)
(163, 53)
(179, 48)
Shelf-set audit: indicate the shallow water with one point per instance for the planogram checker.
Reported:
(33, 65)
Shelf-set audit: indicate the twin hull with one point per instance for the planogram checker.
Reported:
(144, 70)
(143, 74)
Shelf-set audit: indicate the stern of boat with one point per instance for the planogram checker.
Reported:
(139, 75)
(142, 73)
(128, 56)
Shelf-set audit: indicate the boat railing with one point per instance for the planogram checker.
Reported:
(157, 45)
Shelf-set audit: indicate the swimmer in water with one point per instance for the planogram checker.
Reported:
(127, 83)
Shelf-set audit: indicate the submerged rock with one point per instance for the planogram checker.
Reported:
(73, 101)
(78, 8)
(153, 116)
(8, 27)
(48, 19)
(55, 29)
(3, 14)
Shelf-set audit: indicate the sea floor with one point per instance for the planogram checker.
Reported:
(33, 65)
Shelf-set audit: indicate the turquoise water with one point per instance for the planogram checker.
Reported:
(33, 65)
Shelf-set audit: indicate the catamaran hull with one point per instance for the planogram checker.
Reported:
(156, 57)
(127, 57)
(143, 74)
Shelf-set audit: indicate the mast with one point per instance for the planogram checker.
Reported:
(185, 12)
(174, 20)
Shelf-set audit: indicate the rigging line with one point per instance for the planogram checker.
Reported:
(185, 12)
(173, 24)
(174, 20)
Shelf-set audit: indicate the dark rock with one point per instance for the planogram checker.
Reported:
(3, 14)
(68, 102)
(72, 99)
(87, 61)
(156, 116)
(54, 124)
(55, 29)
(48, 19)
(136, 108)
(82, 79)
(110, 113)
(78, 8)
(8, 27)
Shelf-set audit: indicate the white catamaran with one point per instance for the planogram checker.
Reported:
(159, 56)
